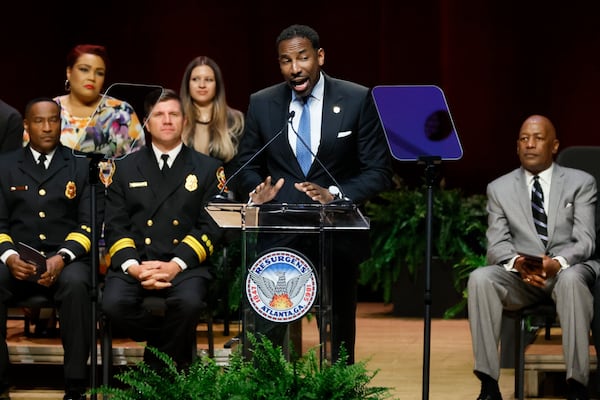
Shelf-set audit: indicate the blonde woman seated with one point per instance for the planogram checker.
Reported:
(212, 128)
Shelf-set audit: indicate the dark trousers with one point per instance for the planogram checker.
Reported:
(71, 292)
(174, 333)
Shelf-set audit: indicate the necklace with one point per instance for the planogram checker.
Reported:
(81, 110)
(203, 122)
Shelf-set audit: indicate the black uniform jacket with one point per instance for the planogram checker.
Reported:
(150, 216)
(47, 210)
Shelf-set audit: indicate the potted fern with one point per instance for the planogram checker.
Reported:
(267, 376)
(398, 236)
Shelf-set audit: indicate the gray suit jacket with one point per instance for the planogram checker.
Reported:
(571, 217)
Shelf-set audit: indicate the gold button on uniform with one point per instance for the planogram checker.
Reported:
(42, 214)
(149, 222)
(42, 192)
(148, 241)
(42, 236)
(175, 222)
(175, 241)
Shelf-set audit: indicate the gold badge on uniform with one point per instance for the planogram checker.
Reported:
(221, 179)
(70, 190)
(191, 182)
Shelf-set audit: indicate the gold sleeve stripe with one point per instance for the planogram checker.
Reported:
(80, 238)
(5, 238)
(196, 247)
(120, 245)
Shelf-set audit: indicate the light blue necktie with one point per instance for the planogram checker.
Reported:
(302, 152)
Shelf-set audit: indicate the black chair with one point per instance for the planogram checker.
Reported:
(586, 158)
(544, 310)
(38, 302)
(35, 302)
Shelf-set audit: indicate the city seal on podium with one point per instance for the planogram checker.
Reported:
(281, 285)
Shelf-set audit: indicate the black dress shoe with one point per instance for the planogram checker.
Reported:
(576, 390)
(74, 396)
(497, 396)
(489, 387)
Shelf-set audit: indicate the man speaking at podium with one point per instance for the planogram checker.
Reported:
(344, 156)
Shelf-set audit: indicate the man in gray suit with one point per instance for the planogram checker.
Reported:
(564, 239)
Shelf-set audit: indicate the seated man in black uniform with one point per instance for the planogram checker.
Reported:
(45, 203)
(159, 236)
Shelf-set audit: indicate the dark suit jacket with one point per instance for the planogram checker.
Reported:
(353, 147)
(150, 217)
(47, 211)
(11, 128)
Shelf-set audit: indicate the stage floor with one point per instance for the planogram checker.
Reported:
(392, 345)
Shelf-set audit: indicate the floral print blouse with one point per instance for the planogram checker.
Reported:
(114, 130)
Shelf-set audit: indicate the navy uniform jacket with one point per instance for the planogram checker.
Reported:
(48, 210)
(151, 217)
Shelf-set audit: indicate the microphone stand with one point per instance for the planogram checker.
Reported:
(94, 179)
(223, 198)
(431, 162)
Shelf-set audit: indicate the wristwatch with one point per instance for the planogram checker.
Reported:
(65, 257)
(335, 192)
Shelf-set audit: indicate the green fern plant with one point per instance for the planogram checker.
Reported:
(398, 236)
(268, 375)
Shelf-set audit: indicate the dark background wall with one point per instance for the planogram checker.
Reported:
(497, 61)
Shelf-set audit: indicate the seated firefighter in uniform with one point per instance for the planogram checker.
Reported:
(45, 203)
(159, 235)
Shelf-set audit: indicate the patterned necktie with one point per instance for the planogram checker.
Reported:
(42, 162)
(302, 152)
(540, 219)
(165, 165)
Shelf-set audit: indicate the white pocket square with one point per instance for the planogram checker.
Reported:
(569, 205)
(344, 134)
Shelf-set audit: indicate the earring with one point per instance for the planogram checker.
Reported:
(67, 85)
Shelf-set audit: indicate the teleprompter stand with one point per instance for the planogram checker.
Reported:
(418, 127)
(134, 94)
(94, 178)
(290, 219)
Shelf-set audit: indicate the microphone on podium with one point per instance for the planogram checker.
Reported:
(222, 198)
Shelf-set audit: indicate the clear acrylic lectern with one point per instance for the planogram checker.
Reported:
(289, 219)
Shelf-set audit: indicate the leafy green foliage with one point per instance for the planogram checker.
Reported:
(267, 376)
(399, 240)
